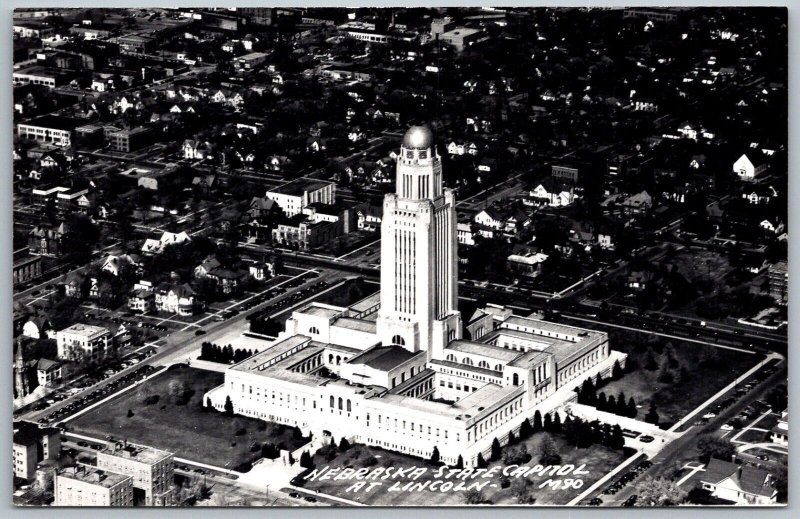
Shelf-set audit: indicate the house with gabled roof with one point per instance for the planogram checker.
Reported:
(749, 167)
(742, 484)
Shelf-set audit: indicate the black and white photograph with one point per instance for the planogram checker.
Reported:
(400, 256)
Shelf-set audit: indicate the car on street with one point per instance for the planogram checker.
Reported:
(646, 439)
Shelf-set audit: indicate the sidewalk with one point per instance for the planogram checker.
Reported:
(720, 393)
(602, 481)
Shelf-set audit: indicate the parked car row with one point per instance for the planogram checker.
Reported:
(627, 478)
(97, 394)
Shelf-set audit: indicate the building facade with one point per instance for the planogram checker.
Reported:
(82, 341)
(87, 486)
(33, 444)
(152, 470)
(394, 370)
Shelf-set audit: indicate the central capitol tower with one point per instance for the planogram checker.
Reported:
(419, 276)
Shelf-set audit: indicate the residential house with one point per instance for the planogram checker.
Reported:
(526, 262)
(76, 285)
(38, 327)
(554, 193)
(741, 484)
(262, 270)
(369, 217)
(177, 299)
(142, 301)
(772, 225)
(153, 246)
(760, 194)
(48, 372)
(465, 234)
(114, 264)
(197, 150)
(748, 168)
(780, 433)
(638, 203)
(47, 241)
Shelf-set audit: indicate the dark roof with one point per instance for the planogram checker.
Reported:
(59, 122)
(384, 357)
(750, 479)
(26, 433)
(300, 186)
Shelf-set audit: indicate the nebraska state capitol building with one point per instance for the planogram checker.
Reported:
(400, 370)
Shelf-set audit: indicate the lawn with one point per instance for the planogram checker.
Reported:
(697, 372)
(185, 429)
(599, 460)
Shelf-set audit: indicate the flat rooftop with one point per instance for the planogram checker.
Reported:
(94, 476)
(87, 330)
(367, 303)
(138, 453)
(359, 325)
(384, 358)
(59, 122)
(316, 310)
(300, 186)
(485, 350)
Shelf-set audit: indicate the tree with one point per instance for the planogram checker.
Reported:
(459, 463)
(602, 402)
(617, 440)
(622, 406)
(556, 422)
(496, 451)
(511, 438)
(548, 453)
(632, 411)
(650, 363)
(548, 422)
(710, 446)
(130, 413)
(481, 463)
(665, 375)
(586, 395)
(537, 421)
(228, 406)
(525, 429)
(616, 371)
(516, 455)
(435, 455)
(659, 492)
(652, 414)
(344, 444)
(178, 392)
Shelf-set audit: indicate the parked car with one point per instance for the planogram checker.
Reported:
(646, 439)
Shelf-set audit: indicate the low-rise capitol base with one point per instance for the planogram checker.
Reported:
(400, 370)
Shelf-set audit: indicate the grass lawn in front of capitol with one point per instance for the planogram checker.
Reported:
(598, 460)
(187, 430)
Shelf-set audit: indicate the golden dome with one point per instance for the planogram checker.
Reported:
(418, 137)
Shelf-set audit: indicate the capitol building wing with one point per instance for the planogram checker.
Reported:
(401, 370)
